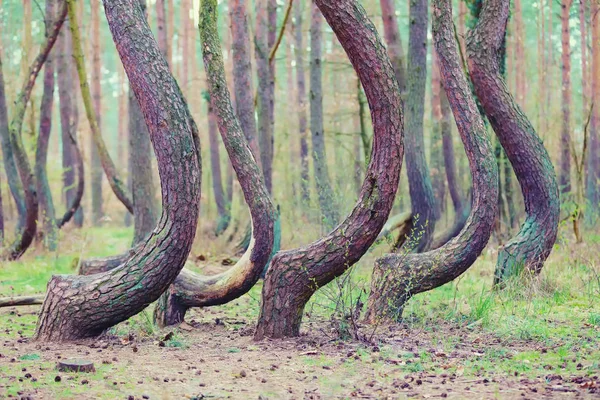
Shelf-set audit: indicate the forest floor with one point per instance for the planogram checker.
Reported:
(533, 339)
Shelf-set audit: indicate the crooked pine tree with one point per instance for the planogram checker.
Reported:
(397, 277)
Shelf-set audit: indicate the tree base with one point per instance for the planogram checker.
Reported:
(169, 311)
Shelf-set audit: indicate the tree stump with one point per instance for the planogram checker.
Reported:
(75, 365)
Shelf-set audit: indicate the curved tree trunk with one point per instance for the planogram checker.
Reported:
(295, 275)
(72, 162)
(397, 277)
(77, 307)
(330, 214)
(193, 290)
(301, 102)
(46, 206)
(419, 181)
(116, 184)
(531, 246)
(10, 167)
(27, 235)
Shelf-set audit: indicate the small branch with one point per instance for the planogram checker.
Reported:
(21, 301)
(281, 31)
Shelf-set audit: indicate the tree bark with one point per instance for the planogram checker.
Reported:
(419, 181)
(193, 290)
(438, 183)
(526, 152)
(96, 91)
(330, 215)
(397, 277)
(46, 205)
(116, 184)
(223, 206)
(267, 138)
(301, 102)
(393, 41)
(242, 74)
(593, 169)
(261, 46)
(565, 137)
(162, 35)
(72, 162)
(77, 307)
(26, 236)
(295, 275)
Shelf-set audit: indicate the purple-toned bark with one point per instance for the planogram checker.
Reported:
(84, 306)
(397, 277)
(294, 275)
(393, 41)
(532, 245)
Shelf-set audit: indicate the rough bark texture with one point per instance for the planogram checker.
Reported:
(531, 246)
(68, 123)
(261, 46)
(301, 102)
(46, 205)
(330, 214)
(295, 275)
(397, 277)
(10, 166)
(76, 307)
(96, 91)
(116, 184)
(419, 182)
(242, 74)
(391, 33)
(193, 290)
(28, 232)
(565, 136)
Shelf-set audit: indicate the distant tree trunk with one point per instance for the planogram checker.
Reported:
(461, 212)
(295, 275)
(397, 277)
(585, 78)
(419, 181)
(242, 74)
(223, 206)
(184, 39)
(521, 83)
(593, 169)
(268, 139)
(565, 137)
(526, 152)
(193, 290)
(330, 215)
(393, 41)
(96, 90)
(46, 205)
(122, 132)
(68, 121)
(261, 46)
(364, 137)
(10, 166)
(84, 306)
(435, 156)
(145, 210)
(162, 36)
(116, 184)
(301, 102)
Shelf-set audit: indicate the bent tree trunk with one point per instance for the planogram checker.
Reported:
(295, 275)
(193, 290)
(84, 306)
(397, 277)
(419, 181)
(27, 235)
(532, 245)
(116, 184)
